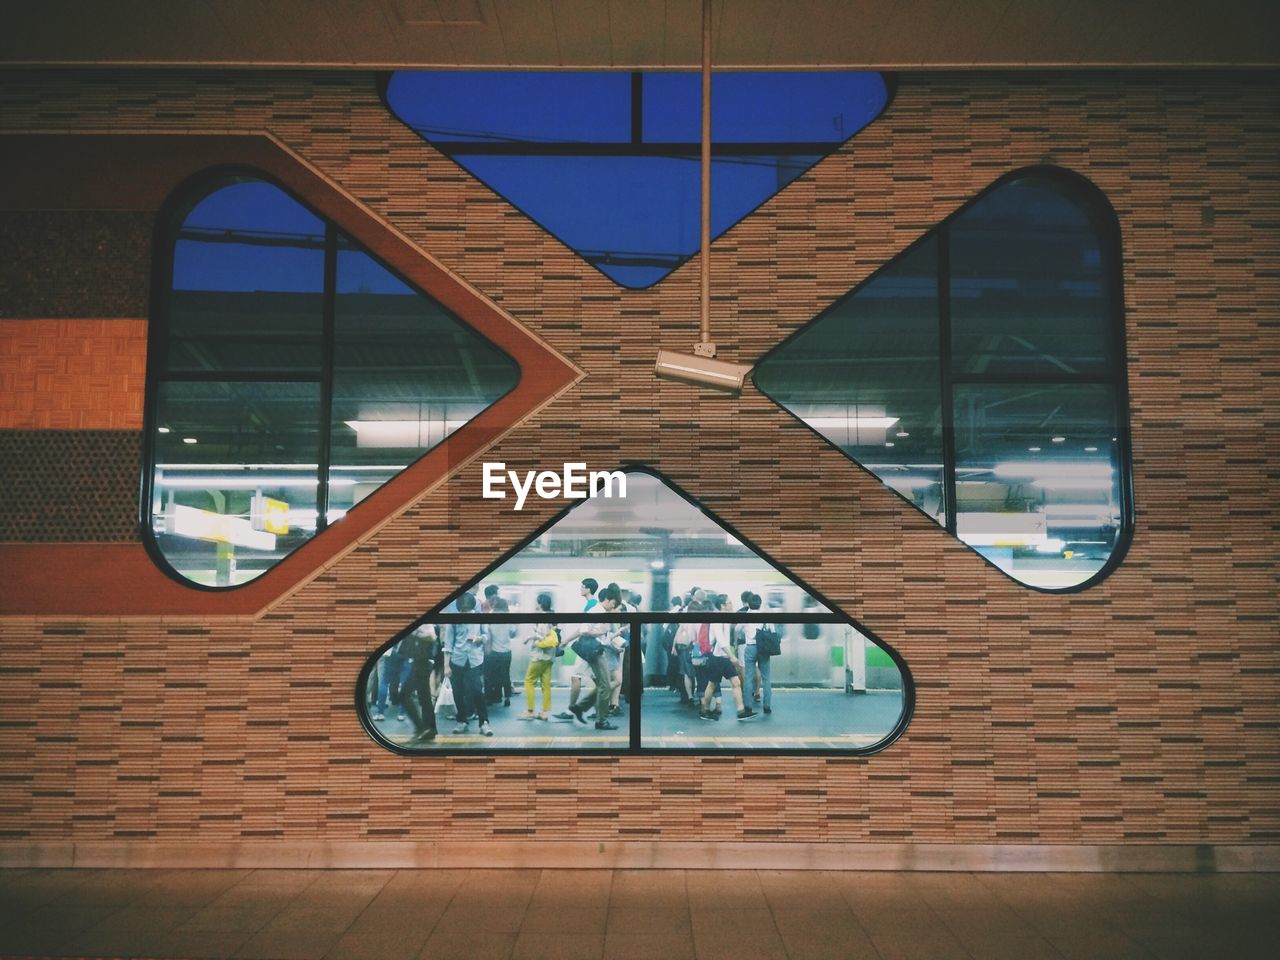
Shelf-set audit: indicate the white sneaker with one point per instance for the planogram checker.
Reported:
(486, 729)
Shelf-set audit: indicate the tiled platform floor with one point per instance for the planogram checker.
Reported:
(665, 915)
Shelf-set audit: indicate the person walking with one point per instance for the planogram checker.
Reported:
(420, 649)
(465, 665)
(722, 664)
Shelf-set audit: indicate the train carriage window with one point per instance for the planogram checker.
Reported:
(980, 375)
(292, 375)
(607, 161)
(705, 645)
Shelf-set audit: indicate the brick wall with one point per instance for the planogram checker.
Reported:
(1142, 709)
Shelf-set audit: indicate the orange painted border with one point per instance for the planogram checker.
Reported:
(81, 374)
(139, 172)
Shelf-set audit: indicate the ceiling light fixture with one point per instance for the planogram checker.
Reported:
(884, 423)
(701, 368)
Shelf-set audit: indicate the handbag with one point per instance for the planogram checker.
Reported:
(445, 697)
(768, 643)
(588, 648)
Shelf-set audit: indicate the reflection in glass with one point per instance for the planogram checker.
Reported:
(865, 376)
(1038, 478)
(266, 426)
(407, 373)
(608, 161)
(235, 482)
(1028, 284)
(248, 284)
(1028, 467)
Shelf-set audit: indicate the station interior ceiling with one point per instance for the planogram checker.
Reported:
(654, 34)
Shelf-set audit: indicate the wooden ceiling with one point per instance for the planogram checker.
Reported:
(888, 34)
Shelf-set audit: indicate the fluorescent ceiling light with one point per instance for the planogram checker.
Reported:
(402, 433)
(884, 423)
(909, 482)
(1073, 483)
(1053, 469)
(247, 483)
(1101, 511)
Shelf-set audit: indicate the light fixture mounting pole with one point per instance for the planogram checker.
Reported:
(705, 348)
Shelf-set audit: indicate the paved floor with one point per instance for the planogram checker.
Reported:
(631, 915)
(801, 719)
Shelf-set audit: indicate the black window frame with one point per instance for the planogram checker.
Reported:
(636, 688)
(165, 234)
(1103, 214)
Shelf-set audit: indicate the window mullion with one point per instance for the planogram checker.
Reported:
(635, 689)
(326, 375)
(944, 374)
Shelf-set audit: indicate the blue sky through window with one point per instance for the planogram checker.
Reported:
(608, 161)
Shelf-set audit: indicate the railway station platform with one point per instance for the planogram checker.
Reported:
(802, 718)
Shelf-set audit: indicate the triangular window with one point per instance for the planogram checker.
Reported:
(981, 376)
(685, 612)
(608, 161)
(293, 375)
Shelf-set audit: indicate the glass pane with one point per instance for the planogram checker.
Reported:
(1028, 285)
(234, 483)
(865, 375)
(248, 282)
(653, 544)
(628, 210)
(407, 373)
(803, 106)
(575, 106)
(829, 687)
(1038, 479)
(483, 685)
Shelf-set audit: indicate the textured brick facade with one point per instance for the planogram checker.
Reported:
(1143, 709)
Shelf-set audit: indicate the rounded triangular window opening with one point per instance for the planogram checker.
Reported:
(635, 623)
(290, 374)
(980, 375)
(607, 161)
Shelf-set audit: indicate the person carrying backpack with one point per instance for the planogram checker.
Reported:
(763, 643)
(591, 650)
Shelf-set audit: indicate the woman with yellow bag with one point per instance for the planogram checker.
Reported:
(545, 640)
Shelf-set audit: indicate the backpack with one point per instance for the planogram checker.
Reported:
(669, 636)
(704, 639)
(588, 648)
(768, 643)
